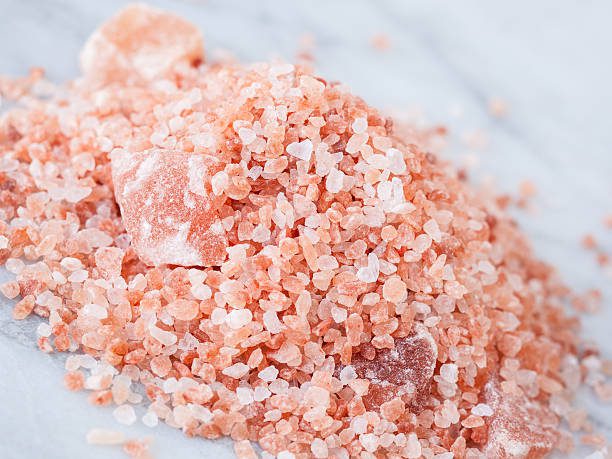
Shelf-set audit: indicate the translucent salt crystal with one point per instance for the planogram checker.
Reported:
(261, 393)
(238, 318)
(395, 290)
(237, 370)
(285, 455)
(201, 292)
(124, 414)
(268, 374)
(261, 234)
(105, 437)
(449, 372)
(335, 181)
(482, 409)
(360, 125)
(395, 160)
(369, 441)
(347, 374)
(338, 314)
(76, 193)
(371, 272)
(327, 262)
(3, 242)
(170, 385)
(183, 309)
(14, 265)
(412, 449)
(244, 395)
(218, 316)
(150, 419)
(272, 323)
(44, 329)
(319, 449)
(359, 424)
(78, 276)
(95, 310)
(71, 264)
(301, 150)
(433, 230)
(247, 135)
(95, 237)
(165, 337)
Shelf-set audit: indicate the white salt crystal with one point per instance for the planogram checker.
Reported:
(272, 323)
(105, 437)
(79, 275)
(261, 393)
(396, 163)
(71, 264)
(301, 150)
(335, 180)
(44, 329)
(165, 337)
(236, 371)
(360, 125)
(449, 372)
(245, 395)
(3, 242)
(371, 272)
(150, 419)
(218, 315)
(238, 318)
(338, 314)
(433, 230)
(247, 135)
(347, 374)
(268, 374)
(124, 414)
(261, 233)
(95, 310)
(285, 455)
(369, 441)
(482, 409)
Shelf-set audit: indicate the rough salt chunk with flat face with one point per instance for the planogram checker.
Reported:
(140, 41)
(519, 427)
(168, 208)
(405, 371)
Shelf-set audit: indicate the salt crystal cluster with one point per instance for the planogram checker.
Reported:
(252, 251)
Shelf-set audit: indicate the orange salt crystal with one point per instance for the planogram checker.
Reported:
(168, 208)
(140, 42)
(74, 380)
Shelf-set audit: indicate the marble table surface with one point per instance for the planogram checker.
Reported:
(549, 61)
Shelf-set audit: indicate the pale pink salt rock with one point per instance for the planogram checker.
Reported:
(269, 373)
(109, 261)
(236, 371)
(183, 309)
(518, 426)
(334, 181)
(244, 450)
(238, 318)
(300, 150)
(395, 290)
(167, 206)
(10, 289)
(319, 449)
(140, 43)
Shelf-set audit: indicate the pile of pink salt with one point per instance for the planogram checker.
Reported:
(258, 249)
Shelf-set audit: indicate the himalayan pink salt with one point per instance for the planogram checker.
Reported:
(168, 208)
(533, 436)
(140, 42)
(348, 294)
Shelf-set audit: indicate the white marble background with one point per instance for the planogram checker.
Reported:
(548, 60)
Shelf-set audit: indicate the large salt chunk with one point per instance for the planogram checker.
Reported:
(140, 42)
(168, 208)
(404, 371)
(519, 427)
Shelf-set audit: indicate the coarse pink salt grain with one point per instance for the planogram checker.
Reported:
(257, 253)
